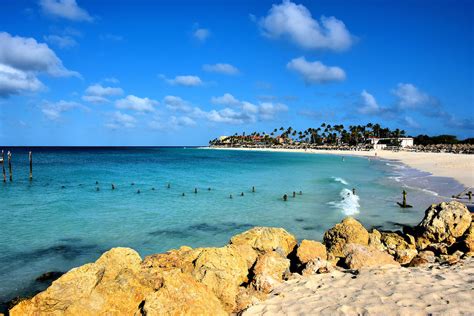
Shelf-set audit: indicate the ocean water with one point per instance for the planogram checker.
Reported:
(63, 219)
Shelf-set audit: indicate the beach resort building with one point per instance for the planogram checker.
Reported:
(381, 143)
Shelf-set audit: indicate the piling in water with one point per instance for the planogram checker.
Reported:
(10, 165)
(3, 167)
(469, 195)
(30, 156)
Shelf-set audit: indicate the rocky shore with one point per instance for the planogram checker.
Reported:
(254, 266)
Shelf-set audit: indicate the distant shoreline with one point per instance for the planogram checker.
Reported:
(457, 166)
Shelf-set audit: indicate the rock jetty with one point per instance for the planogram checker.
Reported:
(229, 279)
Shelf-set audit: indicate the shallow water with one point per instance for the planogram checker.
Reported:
(60, 220)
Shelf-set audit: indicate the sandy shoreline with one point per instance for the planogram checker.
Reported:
(457, 166)
(443, 290)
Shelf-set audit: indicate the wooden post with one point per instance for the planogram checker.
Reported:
(469, 194)
(3, 167)
(404, 202)
(9, 154)
(30, 156)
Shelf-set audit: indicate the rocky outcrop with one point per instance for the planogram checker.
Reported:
(359, 256)
(467, 240)
(269, 271)
(266, 239)
(317, 266)
(402, 247)
(349, 231)
(423, 258)
(443, 222)
(309, 250)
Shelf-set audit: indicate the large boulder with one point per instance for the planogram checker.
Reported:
(181, 258)
(467, 240)
(113, 284)
(349, 231)
(309, 250)
(359, 256)
(222, 270)
(444, 222)
(375, 240)
(269, 271)
(266, 239)
(181, 294)
(402, 247)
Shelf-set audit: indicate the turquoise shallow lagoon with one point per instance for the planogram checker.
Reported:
(60, 220)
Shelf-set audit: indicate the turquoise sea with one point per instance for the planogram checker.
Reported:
(63, 219)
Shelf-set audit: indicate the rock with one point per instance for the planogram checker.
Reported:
(222, 270)
(358, 256)
(467, 240)
(265, 239)
(247, 252)
(349, 231)
(110, 285)
(181, 258)
(375, 240)
(444, 222)
(268, 271)
(309, 250)
(423, 258)
(399, 246)
(181, 294)
(318, 266)
(448, 259)
(438, 248)
(247, 297)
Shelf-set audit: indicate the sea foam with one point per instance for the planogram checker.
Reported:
(340, 180)
(349, 202)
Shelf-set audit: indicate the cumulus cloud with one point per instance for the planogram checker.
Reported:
(171, 123)
(22, 59)
(53, 110)
(98, 94)
(61, 41)
(66, 9)
(14, 81)
(316, 72)
(268, 110)
(27, 54)
(118, 120)
(187, 81)
(369, 105)
(293, 21)
(226, 99)
(230, 116)
(135, 103)
(201, 34)
(226, 69)
(409, 96)
(175, 103)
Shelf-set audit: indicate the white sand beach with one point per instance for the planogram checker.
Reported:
(438, 290)
(456, 166)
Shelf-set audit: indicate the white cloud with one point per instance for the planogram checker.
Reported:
(111, 80)
(67, 9)
(14, 81)
(53, 110)
(119, 120)
(98, 94)
(316, 72)
(135, 103)
(60, 41)
(175, 103)
(226, 69)
(295, 22)
(231, 116)
(188, 81)
(268, 110)
(226, 99)
(369, 104)
(201, 34)
(410, 96)
(21, 60)
(171, 123)
(27, 54)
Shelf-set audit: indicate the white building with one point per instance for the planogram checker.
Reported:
(404, 142)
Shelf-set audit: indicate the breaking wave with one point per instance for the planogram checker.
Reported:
(349, 202)
(340, 180)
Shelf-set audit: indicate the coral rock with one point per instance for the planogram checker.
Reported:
(309, 250)
(400, 246)
(266, 239)
(349, 231)
(269, 270)
(358, 256)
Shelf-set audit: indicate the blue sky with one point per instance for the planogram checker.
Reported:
(78, 72)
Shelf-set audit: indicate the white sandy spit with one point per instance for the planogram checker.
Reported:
(438, 290)
(457, 166)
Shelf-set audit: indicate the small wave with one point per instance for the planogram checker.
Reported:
(349, 202)
(340, 180)
(430, 192)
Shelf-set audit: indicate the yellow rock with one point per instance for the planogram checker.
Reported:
(269, 270)
(349, 231)
(310, 250)
(358, 256)
(265, 239)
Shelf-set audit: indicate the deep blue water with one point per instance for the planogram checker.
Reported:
(63, 219)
